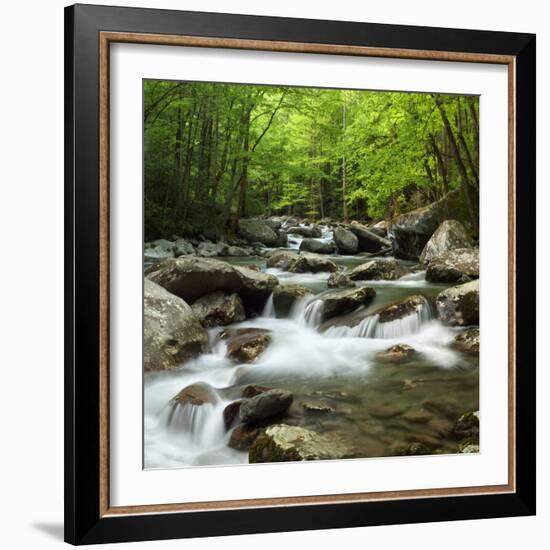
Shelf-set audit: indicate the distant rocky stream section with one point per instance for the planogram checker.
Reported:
(295, 341)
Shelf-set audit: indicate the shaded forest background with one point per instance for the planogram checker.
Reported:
(214, 153)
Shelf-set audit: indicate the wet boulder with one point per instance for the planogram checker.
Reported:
(400, 353)
(172, 333)
(282, 240)
(219, 308)
(274, 223)
(183, 247)
(467, 341)
(310, 232)
(385, 269)
(246, 345)
(459, 305)
(265, 405)
(467, 425)
(195, 394)
(237, 251)
(450, 235)
(253, 230)
(346, 241)
(317, 246)
(380, 228)
(312, 263)
(402, 308)
(338, 279)
(281, 259)
(231, 413)
(410, 232)
(285, 296)
(282, 443)
(368, 240)
(207, 249)
(459, 265)
(345, 301)
(243, 436)
(190, 278)
(251, 390)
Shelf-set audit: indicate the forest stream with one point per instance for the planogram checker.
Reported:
(339, 383)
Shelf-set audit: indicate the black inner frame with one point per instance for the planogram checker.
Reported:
(83, 524)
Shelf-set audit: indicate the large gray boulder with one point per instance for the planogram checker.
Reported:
(219, 308)
(207, 249)
(265, 405)
(256, 231)
(345, 301)
(338, 279)
(380, 228)
(346, 241)
(190, 278)
(317, 246)
(450, 235)
(368, 240)
(281, 259)
(308, 232)
(380, 269)
(282, 443)
(459, 305)
(410, 232)
(454, 266)
(312, 263)
(467, 341)
(172, 334)
(285, 296)
(183, 247)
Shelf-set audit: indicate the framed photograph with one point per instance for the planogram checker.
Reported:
(300, 274)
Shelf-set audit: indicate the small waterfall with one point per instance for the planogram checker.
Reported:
(372, 327)
(313, 313)
(269, 308)
(201, 424)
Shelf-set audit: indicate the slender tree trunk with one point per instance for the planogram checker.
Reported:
(344, 204)
(459, 162)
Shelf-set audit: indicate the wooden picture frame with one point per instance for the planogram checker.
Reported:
(89, 32)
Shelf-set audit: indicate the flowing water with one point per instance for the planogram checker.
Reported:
(331, 366)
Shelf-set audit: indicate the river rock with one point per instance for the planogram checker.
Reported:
(282, 240)
(399, 353)
(285, 296)
(256, 231)
(467, 425)
(231, 413)
(243, 436)
(450, 235)
(190, 278)
(410, 232)
(274, 223)
(306, 232)
(346, 241)
(338, 279)
(172, 334)
(317, 246)
(380, 228)
(195, 394)
(401, 308)
(219, 308)
(414, 448)
(312, 263)
(251, 390)
(245, 345)
(183, 247)
(282, 443)
(367, 239)
(454, 266)
(265, 405)
(237, 251)
(467, 341)
(281, 259)
(160, 249)
(345, 301)
(386, 269)
(459, 305)
(206, 249)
